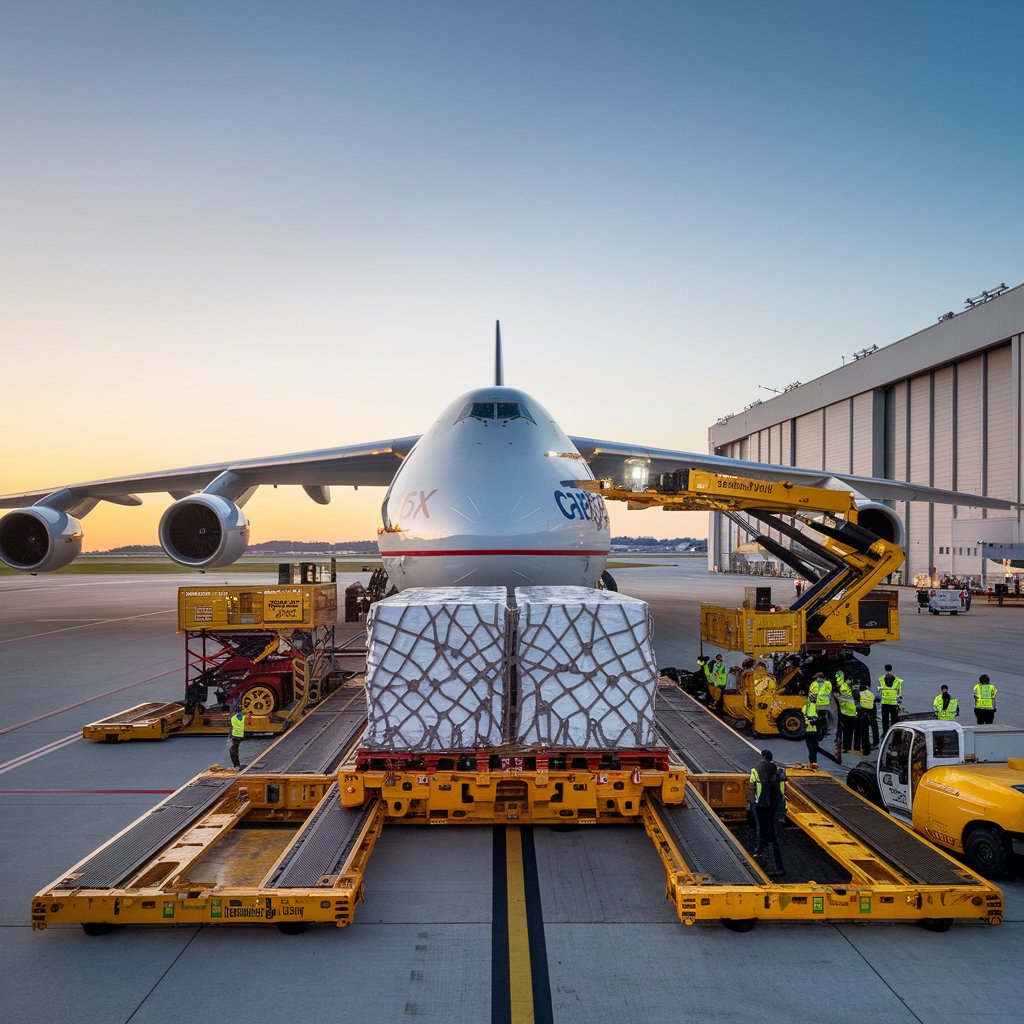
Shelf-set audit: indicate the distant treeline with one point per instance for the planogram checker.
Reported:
(698, 544)
(267, 547)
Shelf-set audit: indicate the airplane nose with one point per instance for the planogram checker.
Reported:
(497, 513)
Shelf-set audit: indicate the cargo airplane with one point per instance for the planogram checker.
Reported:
(494, 492)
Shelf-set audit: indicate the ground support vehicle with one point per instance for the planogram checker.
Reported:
(271, 649)
(961, 786)
(952, 601)
(842, 613)
(288, 840)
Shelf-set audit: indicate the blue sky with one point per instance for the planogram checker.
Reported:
(215, 210)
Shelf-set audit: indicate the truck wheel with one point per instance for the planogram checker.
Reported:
(936, 924)
(739, 924)
(258, 699)
(858, 785)
(987, 850)
(791, 724)
(98, 927)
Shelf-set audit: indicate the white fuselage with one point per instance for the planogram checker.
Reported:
(484, 500)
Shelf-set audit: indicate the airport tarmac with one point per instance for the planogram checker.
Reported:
(76, 648)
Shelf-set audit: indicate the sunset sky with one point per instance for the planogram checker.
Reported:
(241, 229)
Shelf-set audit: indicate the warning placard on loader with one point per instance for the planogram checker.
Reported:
(282, 608)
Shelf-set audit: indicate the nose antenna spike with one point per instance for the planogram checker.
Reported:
(499, 372)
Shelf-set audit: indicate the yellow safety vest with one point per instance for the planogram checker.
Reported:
(238, 726)
(867, 700)
(984, 695)
(951, 708)
(811, 717)
(890, 694)
(821, 692)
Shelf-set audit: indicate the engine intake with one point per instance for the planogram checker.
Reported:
(39, 539)
(882, 521)
(204, 531)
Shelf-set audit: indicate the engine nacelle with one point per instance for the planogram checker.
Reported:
(882, 521)
(39, 539)
(204, 531)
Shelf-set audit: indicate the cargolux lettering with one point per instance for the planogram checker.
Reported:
(581, 505)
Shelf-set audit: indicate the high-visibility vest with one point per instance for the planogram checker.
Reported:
(951, 708)
(844, 698)
(238, 725)
(821, 691)
(867, 699)
(984, 695)
(811, 717)
(890, 692)
(760, 791)
(716, 673)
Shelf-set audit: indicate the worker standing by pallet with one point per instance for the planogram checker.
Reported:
(811, 731)
(237, 734)
(890, 690)
(820, 691)
(947, 707)
(847, 721)
(984, 701)
(867, 719)
(717, 676)
(769, 802)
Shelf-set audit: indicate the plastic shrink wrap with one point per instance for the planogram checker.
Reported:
(587, 676)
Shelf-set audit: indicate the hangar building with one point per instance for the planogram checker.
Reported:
(941, 407)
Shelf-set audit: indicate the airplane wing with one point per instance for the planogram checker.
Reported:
(372, 464)
(614, 460)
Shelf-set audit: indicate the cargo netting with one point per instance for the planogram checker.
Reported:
(586, 671)
(437, 664)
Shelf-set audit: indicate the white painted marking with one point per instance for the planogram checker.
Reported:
(17, 762)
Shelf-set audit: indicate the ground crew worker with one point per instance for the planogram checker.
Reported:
(717, 676)
(846, 724)
(811, 731)
(867, 719)
(237, 734)
(946, 707)
(984, 701)
(890, 690)
(821, 690)
(769, 801)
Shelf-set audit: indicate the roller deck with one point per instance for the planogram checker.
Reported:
(287, 840)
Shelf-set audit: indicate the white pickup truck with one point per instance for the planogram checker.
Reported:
(952, 601)
(961, 786)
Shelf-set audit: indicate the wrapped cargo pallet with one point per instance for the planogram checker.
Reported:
(436, 669)
(586, 671)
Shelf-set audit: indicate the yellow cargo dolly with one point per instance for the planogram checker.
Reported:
(296, 624)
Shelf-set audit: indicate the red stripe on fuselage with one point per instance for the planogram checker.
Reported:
(495, 551)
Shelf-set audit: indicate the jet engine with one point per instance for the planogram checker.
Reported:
(39, 539)
(882, 521)
(204, 531)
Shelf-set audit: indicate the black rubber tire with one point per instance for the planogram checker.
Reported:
(608, 580)
(935, 924)
(743, 924)
(292, 927)
(859, 786)
(98, 928)
(791, 724)
(954, 613)
(987, 851)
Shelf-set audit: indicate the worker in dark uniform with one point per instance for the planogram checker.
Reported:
(890, 690)
(768, 802)
(985, 701)
(811, 731)
(867, 719)
(237, 734)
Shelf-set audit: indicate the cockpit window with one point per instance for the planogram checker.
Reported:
(495, 410)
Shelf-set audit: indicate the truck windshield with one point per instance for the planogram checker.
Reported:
(945, 744)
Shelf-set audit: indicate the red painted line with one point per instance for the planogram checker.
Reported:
(89, 700)
(495, 551)
(75, 792)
